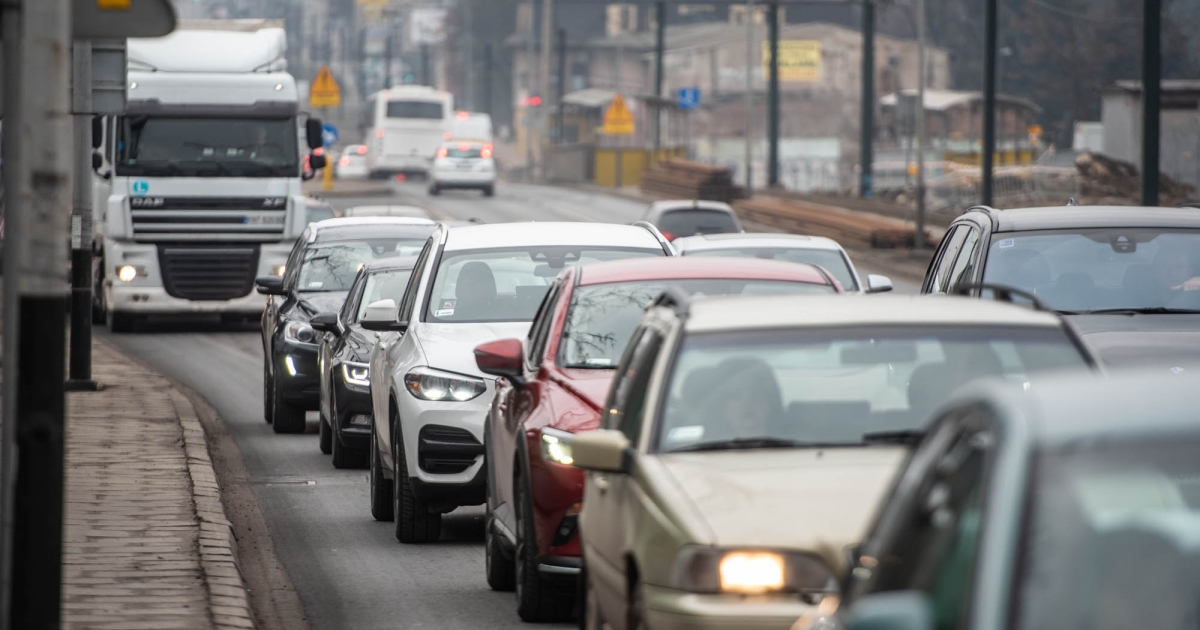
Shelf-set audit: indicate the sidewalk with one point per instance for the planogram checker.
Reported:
(146, 541)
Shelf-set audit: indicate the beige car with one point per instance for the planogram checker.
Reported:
(747, 442)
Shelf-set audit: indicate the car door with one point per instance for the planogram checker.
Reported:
(939, 267)
(610, 498)
(332, 344)
(270, 319)
(928, 537)
(387, 351)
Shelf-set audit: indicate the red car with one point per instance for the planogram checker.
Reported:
(553, 384)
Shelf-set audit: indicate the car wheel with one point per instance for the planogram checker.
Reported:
(589, 609)
(414, 522)
(537, 599)
(488, 191)
(325, 438)
(286, 417)
(434, 190)
(501, 572)
(635, 618)
(119, 322)
(381, 487)
(268, 397)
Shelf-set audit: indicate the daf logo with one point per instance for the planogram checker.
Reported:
(146, 202)
(274, 202)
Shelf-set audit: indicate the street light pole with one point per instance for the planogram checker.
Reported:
(749, 97)
(989, 102)
(773, 96)
(919, 234)
(80, 369)
(867, 124)
(1151, 98)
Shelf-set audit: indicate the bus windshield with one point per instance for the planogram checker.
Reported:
(208, 147)
(415, 109)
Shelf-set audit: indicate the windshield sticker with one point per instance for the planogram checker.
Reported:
(316, 284)
(598, 361)
(1008, 242)
(443, 312)
(686, 434)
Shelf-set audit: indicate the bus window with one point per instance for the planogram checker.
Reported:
(415, 109)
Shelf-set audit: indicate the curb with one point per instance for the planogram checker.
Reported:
(229, 604)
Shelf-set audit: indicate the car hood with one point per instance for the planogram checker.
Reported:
(818, 500)
(451, 347)
(1147, 341)
(322, 302)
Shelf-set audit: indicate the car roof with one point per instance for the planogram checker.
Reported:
(354, 228)
(1078, 217)
(688, 204)
(749, 313)
(699, 267)
(537, 233)
(736, 240)
(400, 211)
(392, 264)
(1069, 407)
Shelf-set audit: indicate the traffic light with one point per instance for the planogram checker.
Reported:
(532, 101)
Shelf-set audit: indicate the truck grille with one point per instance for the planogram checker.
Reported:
(208, 272)
(243, 219)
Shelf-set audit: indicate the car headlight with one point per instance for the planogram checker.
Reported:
(556, 446)
(750, 571)
(436, 385)
(299, 332)
(356, 373)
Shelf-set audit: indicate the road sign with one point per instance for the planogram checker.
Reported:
(618, 120)
(799, 60)
(324, 91)
(329, 134)
(689, 98)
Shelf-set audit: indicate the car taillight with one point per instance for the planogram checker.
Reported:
(362, 149)
(443, 152)
(669, 236)
(345, 161)
(463, 115)
(447, 136)
(378, 133)
(486, 153)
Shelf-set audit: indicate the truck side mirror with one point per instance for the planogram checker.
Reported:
(316, 162)
(97, 132)
(313, 132)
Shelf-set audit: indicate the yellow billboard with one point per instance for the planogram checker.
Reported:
(799, 60)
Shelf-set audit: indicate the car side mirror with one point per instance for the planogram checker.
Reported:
(602, 450)
(381, 317)
(269, 285)
(313, 132)
(503, 357)
(326, 322)
(97, 131)
(896, 610)
(878, 284)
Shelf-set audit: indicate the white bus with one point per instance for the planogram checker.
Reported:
(405, 127)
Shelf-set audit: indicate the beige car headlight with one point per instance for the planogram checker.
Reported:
(750, 571)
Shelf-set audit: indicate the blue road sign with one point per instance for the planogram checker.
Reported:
(689, 98)
(329, 134)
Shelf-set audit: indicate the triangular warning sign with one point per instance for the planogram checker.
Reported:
(324, 91)
(618, 120)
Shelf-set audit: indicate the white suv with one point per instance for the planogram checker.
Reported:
(471, 284)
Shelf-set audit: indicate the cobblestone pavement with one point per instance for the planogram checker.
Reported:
(147, 544)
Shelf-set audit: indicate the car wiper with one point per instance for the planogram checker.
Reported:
(748, 443)
(910, 436)
(1152, 310)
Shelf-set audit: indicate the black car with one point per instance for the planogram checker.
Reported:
(344, 357)
(1127, 278)
(316, 278)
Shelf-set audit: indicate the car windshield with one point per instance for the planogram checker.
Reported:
(1110, 538)
(1101, 269)
(332, 266)
(831, 260)
(603, 316)
(507, 285)
(840, 386)
(694, 221)
(415, 109)
(208, 147)
(383, 285)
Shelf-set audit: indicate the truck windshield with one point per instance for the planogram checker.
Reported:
(207, 147)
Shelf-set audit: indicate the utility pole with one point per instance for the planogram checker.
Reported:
(426, 79)
(989, 101)
(867, 126)
(1151, 98)
(45, 166)
(749, 97)
(919, 234)
(388, 52)
(80, 368)
(562, 84)
(487, 78)
(544, 75)
(773, 96)
(660, 45)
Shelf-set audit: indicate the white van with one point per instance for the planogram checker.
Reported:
(471, 126)
(406, 126)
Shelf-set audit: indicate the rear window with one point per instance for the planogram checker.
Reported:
(414, 109)
(694, 221)
(463, 151)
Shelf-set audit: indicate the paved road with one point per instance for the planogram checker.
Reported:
(347, 569)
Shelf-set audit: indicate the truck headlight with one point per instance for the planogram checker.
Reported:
(356, 373)
(299, 332)
(750, 571)
(430, 384)
(556, 446)
(127, 273)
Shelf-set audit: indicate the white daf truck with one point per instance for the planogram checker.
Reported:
(197, 184)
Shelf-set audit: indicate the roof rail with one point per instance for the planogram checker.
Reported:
(988, 210)
(675, 299)
(662, 240)
(1002, 293)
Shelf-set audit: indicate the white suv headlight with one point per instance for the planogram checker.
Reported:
(300, 332)
(356, 373)
(430, 384)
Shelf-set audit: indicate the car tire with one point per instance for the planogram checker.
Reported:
(325, 438)
(489, 191)
(286, 417)
(119, 322)
(537, 599)
(381, 487)
(268, 398)
(498, 562)
(415, 524)
(434, 190)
